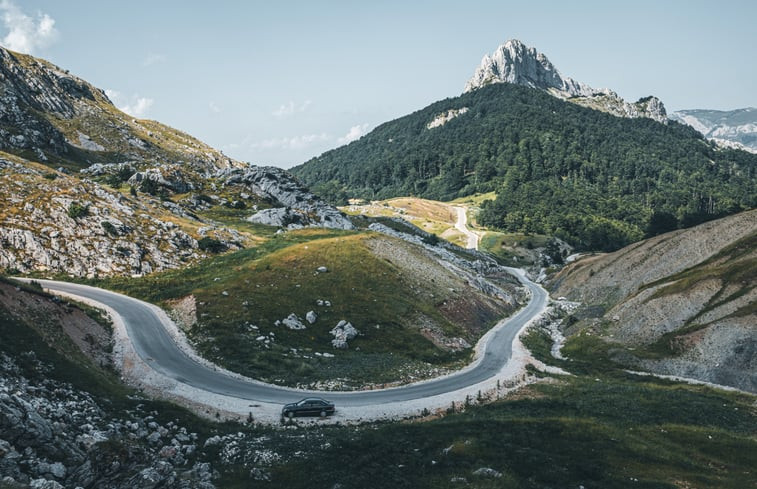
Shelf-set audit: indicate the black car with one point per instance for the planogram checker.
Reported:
(310, 406)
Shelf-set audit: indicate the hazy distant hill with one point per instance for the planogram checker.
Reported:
(730, 128)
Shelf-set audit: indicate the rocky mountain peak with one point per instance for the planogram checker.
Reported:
(514, 62)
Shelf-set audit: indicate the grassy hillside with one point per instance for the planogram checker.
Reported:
(598, 181)
(600, 427)
(432, 216)
(407, 307)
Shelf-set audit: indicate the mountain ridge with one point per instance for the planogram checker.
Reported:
(729, 128)
(66, 154)
(514, 62)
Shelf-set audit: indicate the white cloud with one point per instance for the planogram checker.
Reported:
(296, 142)
(290, 108)
(26, 34)
(355, 132)
(214, 107)
(153, 59)
(133, 105)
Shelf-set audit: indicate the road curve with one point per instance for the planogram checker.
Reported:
(154, 345)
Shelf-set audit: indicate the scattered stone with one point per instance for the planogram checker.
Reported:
(259, 474)
(311, 317)
(44, 484)
(322, 270)
(293, 322)
(487, 472)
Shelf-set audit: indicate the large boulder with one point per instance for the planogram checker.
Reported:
(343, 332)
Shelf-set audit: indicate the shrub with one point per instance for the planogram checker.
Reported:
(211, 245)
(149, 186)
(76, 210)
(431, 239)
(109, 228)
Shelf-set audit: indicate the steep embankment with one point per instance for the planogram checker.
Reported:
(682, 303)
(65, 419)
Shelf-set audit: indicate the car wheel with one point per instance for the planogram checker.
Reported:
(323, 414)
(290, 414)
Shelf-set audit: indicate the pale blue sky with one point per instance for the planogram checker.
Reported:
(279, 82)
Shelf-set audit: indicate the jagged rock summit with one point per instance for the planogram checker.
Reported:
(514, 62)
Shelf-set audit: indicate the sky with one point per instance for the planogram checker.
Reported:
(279, 82)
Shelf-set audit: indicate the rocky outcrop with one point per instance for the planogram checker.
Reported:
(54, 435)
(514, 62)
(170, 177)
(732, 128)
(445, 117)
(76, 227)
(296, 206)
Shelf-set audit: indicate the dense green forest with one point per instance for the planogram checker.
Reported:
(596, 180)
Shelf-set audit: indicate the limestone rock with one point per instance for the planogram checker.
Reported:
(343, 332)
(293, 322)
(311, 317)
(514, 62)
(300, 206)
(487, 472)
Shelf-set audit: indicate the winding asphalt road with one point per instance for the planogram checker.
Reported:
(153, 343)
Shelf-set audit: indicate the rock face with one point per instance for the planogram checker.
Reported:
(732, 128)
(689, 293)
(298, 207)
(514, 62)
(77, 227)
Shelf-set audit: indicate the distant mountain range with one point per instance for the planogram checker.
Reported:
(564, 159)
(729, 128)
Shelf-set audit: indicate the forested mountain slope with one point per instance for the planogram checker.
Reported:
(596, 180)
